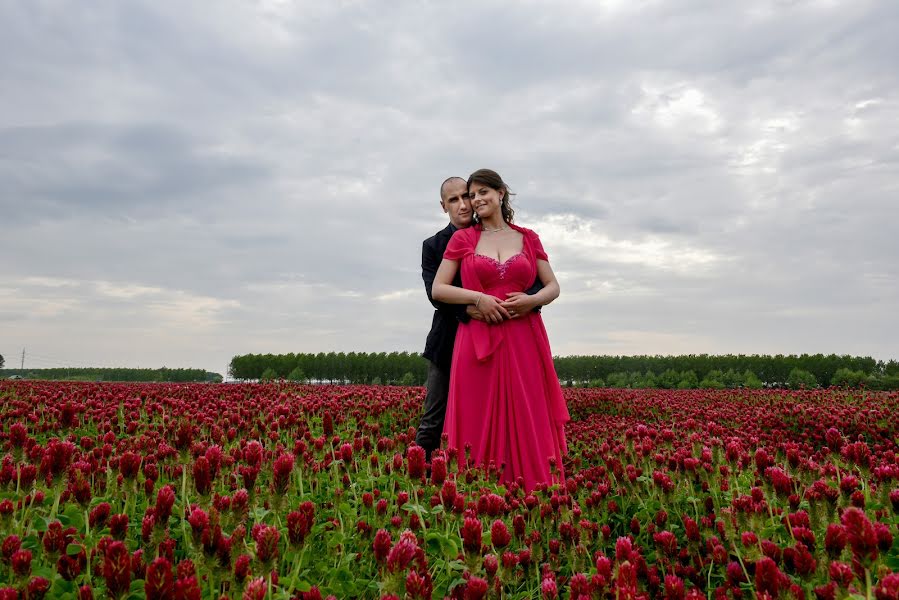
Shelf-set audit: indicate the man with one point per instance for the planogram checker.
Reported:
(455, 202)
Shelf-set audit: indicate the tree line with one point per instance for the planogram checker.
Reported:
(685, 371)
(397, 368)
(769, 369)
(116, 374)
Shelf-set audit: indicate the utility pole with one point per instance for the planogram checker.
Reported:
(22, 366)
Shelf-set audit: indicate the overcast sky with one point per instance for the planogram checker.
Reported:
(185, 181)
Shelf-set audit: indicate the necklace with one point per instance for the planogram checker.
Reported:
(493, 230)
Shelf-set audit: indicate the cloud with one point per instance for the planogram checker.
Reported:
(183, 184)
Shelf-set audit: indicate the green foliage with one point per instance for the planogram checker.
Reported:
(2, 362)
(296, 375)
(335, 367)
(376, 381)
(646, 381)
(269, 375)
(711, 384)
(617, 380)
(713, 380)
(732, 379)
(800, 378)
(848, 378)
(116, 374)
(883, 382)
(669, 379)
(666, 372)
(751, 381)
(688, 381)
(768, 368)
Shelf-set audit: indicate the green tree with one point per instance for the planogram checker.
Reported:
(800, 378)
(714, 380)
(407, 379)
(688, 381)
(844, 377)
(732, 379)
(1, 361)
(268, 375)
(669, 379)
(882, 382)
(617, 380)
(296, 375)
(646, 381)
(751, 381)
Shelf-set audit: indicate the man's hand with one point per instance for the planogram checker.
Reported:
(474, 313)
(518, 304)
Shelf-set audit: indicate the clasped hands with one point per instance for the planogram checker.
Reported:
(491, 309)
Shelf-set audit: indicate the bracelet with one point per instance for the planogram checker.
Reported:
(479, 299)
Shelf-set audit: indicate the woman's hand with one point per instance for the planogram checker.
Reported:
(518, 304)
(492, 309)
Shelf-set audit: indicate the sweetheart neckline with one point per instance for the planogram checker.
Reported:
(517, 254)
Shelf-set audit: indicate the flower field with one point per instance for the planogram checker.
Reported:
(287, 491)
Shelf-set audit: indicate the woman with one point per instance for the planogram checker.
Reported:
(505, 399)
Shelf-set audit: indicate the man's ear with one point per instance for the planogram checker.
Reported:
(443, 205)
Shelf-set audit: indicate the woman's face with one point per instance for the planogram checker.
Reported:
(485, 201)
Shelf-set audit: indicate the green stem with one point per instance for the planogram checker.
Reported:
(87, 543)
(296, 569)
(55, 508)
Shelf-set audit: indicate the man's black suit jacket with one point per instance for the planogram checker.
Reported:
(439, 345)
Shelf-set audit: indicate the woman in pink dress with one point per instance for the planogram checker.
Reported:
(505, 399)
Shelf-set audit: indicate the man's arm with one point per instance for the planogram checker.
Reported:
(430, 261)
(538, 285)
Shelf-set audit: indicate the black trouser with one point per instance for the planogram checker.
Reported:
(431, 427)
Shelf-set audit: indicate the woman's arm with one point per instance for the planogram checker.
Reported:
(520, 303)
(443, 290)
(551, 288)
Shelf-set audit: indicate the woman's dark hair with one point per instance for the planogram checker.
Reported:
(492, 180)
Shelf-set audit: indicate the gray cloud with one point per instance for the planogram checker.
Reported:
(182, 183)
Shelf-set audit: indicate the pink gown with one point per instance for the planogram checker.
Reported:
(505, 399)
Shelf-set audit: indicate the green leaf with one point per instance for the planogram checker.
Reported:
(456, 565)
(74, 549)
(31, 542)
(446, 544)
(61, 587)
(455, 582)
(318, 529)
(72, 517)
(41, 524)
(334, 539)
(45, 571)
(415, 508)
